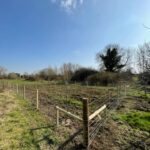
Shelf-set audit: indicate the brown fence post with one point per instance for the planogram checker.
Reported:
(86, 123)
(37, 99)
(8, 86)
(17, 88)
(24, 92)
(3, 85)
(118, 91)
(57, 113)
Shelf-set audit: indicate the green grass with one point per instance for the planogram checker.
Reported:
(137, 93)
(140, 120)
(73, 102)
(22, 81)
(67, 100)
(22, 127)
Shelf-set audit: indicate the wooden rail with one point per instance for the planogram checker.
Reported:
(96, 113)
(68, 113)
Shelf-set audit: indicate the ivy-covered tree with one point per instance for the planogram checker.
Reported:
(111, 59)
(81, 74)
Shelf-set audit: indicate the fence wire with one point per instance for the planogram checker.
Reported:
(69, 97)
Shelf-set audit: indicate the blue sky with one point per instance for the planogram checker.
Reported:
(35, 34)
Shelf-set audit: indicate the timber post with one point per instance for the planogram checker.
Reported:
(86, 123)
(37, 99)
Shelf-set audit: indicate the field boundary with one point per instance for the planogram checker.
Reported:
(94, 113)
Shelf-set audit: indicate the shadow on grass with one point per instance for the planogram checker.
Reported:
(139, 145)
(43, 137)
(46, 138)
(71, 139)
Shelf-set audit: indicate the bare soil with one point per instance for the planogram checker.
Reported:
(114, 135)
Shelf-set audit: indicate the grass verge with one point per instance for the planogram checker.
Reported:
(24, 128)
(140, 120)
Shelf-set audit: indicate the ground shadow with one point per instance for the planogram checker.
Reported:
(44, 137)
(139, 145)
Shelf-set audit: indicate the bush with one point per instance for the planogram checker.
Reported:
(126, 75)
(81, 74)
(140, 120)
(103, 78)
(32, 78)
(48, 74)
(144, 78)
(13, 75)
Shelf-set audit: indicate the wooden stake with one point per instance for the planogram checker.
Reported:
(3, 85)
(14, 88)
(37, 99)
(110, 95)
(86, 123)
(17, 88)
(24, 92)
(8, 89)
(96, 113)
(68, 113)
(57, 117)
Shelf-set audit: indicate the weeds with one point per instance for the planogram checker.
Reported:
(140, 120)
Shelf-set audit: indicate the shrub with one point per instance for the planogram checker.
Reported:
(13, 75)
(47, 74)
(126, 75)
(32, 78)
(140, 120)
(144, 78)
(103, 78)
(81, 74)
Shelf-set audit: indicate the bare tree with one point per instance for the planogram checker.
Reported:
(144, 63)
(3, 72)
(67, 70)
(144, 57)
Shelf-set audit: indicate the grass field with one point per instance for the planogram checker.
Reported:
(27, 128)
(21, 126)
(138, 119)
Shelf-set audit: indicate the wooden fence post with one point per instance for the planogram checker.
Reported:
(8, 86)
(66, 91)
(86, 123)
(17, 88)
(14, 88)
(24, 92)
(3, 85)
(57, 117)
(37, 99)
(109, 95)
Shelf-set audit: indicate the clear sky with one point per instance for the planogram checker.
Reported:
(37, 33)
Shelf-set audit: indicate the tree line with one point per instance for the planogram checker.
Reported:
(114, 65)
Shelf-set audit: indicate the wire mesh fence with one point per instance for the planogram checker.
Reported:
(82, 110)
